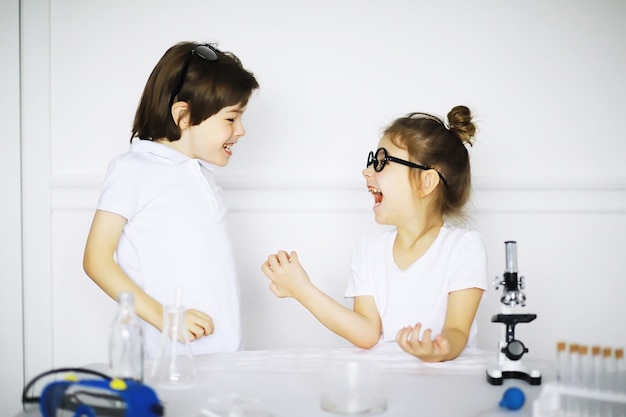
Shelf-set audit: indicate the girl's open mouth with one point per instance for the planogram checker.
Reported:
(378, 196)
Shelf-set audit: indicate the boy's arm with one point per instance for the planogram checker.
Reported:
(99, 264)
(361, 326)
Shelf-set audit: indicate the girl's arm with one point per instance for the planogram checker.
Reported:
(360, 326)
(461, 310)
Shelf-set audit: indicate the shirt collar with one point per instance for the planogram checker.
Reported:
(165, 152)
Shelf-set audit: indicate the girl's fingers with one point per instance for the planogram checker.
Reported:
(403, 335)
(426, 336)
(415, 334)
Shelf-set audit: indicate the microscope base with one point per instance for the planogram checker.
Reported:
(495, 376)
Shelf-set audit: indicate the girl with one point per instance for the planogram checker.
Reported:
(419, 284)
(160, 220)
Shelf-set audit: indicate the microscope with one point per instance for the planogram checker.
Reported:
(510, 349)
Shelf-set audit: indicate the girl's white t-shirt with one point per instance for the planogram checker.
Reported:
(455, 261)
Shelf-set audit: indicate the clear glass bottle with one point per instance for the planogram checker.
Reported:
(126, 341)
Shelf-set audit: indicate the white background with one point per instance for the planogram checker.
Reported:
(544, 78)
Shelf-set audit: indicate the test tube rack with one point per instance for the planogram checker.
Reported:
(553, 394)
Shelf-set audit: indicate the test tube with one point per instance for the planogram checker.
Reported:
(606, 380)
(561, 361)
(620, 368)
(620, 381)
(586, 374)
(608, 369)
(572, 404)
(562, 368)
(596, 366)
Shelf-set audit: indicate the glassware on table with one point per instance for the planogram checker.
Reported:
(353, 387)
(126, 341)
(174, 363)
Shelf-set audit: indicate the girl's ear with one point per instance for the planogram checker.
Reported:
(430, 180)
(180, 114)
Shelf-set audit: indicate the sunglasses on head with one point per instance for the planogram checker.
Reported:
(380, 158)
(206, 52)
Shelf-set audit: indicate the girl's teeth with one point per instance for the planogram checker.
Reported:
(378, 196)
(227, 147)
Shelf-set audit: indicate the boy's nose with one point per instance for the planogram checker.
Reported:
(240, 130)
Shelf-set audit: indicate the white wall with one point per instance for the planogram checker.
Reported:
(545, 80)
(11, 346)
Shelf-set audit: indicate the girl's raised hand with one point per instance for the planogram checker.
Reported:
(286, 273)
(427, 349)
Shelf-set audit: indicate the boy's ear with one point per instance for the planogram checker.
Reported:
(180, 114)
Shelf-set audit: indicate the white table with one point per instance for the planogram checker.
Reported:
(290, 381)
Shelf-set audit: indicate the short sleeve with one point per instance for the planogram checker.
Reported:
(119, 193)
(468, 266)
(360, 282)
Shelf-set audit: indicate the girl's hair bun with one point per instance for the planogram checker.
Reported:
(460, 123)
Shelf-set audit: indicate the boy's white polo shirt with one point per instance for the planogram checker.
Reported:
(175, 236)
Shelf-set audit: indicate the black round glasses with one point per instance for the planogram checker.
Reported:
(206, 52)
(380, 158)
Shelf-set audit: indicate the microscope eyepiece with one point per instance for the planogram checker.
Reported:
(511, 256)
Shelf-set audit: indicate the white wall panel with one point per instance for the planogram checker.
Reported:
(82, 313)
(568, 251)
(11, 306)
(36, 192)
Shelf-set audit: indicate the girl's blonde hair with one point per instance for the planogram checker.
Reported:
(429, 141)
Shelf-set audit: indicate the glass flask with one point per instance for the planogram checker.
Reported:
(174, 363)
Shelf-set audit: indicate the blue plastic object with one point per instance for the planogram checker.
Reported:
(513, 399)
(99, 398)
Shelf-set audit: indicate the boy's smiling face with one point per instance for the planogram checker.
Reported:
(213, 139)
